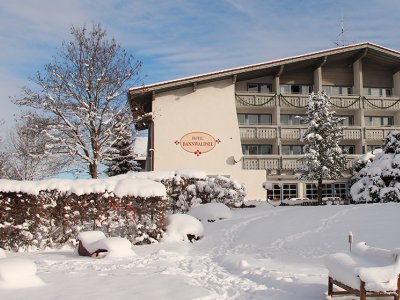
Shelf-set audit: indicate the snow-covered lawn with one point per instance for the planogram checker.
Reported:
(259, 253)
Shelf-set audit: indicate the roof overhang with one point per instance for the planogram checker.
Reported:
(375, 52)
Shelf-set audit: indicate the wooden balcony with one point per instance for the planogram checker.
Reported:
(284, 162)
(247, 99)
(387, 103)
(265, 162)
(378, 133)
(352, 133)
(345, 102)
(294, 101)
(258, 132)
(292, 133)
(288, 133)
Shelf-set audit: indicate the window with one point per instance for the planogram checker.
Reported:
(288, 190)
(275, 193)
(259, 87)
(348, 121)
(378, 121)
(328, 190)
(256, 149)
(292, 149)
(291, 120)
(296, 89)
(340, 190)
(337, 90)
(348, 149)
(373, 147)
(254, 119)
(378, 92)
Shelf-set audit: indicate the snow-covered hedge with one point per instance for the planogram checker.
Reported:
(50, 213)
(190, 192)
(377, 177)
(186, 188)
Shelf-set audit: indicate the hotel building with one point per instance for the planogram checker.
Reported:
(242, 122)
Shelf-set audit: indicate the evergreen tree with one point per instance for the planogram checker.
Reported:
(121, 158)
(323, 158)
(379, 180)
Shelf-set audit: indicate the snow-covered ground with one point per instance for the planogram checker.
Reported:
(259, 253)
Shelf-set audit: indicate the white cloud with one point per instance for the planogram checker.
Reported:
(180, 38)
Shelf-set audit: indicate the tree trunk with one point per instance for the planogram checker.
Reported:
(319, 191)
(93, 170)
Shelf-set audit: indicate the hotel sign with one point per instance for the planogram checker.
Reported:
(197, 142)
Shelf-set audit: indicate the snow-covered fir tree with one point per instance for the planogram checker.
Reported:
(379, 180)
(121, 158)
(323, 157)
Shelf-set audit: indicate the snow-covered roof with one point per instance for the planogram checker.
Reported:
(269, 64)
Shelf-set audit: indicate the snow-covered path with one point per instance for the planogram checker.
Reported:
(260, 253)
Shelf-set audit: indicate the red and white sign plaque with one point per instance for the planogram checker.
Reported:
(197, 142)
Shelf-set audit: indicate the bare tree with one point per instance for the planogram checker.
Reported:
(81, 94)
(27, 155)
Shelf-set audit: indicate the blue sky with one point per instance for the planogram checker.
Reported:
(181, 38)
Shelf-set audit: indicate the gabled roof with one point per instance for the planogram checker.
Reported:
(386, 55)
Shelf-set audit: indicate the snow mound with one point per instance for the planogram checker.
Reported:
(139, 188)
(182, 227)
(210, 212)
(191, 173)
(89, 237)
(115, 246)
(95, 242)
(18, 273)
(2, 253)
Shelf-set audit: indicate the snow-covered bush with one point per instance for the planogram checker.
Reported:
(377, 177)
(213, 189)
(181, 227)
(210, 212)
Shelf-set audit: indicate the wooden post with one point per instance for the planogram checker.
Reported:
(330, 286)
(398, 288)
(350, 239)
(363, 293)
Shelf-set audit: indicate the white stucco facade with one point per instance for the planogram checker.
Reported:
(242, 122)
(210, 108)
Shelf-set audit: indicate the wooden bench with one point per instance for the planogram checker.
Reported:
(365, 272)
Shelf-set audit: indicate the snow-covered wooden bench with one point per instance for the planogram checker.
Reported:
(365, 272)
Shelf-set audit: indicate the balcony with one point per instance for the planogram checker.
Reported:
(247, 99)
(277, 162)
(292, 133)
(350, 133)
(258, 132)
(378, 133)
(371, 102)
(288, 133)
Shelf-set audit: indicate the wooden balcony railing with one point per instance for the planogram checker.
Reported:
(246, 99)
(258, 132)
(284, 162)
(378, 133)
(292, 133)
